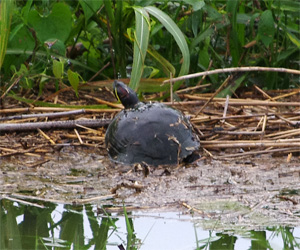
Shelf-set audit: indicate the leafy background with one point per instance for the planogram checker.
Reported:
(68, 42)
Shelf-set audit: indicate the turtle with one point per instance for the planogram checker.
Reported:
(151, 133)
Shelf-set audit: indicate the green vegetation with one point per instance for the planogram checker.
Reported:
(68, 42)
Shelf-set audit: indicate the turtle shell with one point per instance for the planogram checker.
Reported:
(152, 133)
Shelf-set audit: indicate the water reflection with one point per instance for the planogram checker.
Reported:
(57, 226)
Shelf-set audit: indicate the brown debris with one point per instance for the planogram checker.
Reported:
(237, 126)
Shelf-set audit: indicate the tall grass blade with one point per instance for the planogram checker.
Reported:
(141, 39)
(171, 26)
(6, 10)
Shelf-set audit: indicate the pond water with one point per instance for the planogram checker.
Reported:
(40, 225)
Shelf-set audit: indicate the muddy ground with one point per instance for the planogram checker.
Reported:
(253, 192)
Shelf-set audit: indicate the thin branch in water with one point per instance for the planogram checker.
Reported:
(22, 201)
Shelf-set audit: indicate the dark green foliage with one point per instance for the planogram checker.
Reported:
(83, 36)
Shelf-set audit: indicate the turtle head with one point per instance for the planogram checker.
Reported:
(125, 95)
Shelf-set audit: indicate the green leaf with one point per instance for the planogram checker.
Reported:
(90, 7)
(197, 4)
(6, 10)
(171, 26)
(201, 36)
(287, 5)
(142, 31)
(204, 56)
(58, 68)
(150, 72)
(20, 39)
(166, 66)
(25, 10)
(73, 78)
(196, 21)
(283, 55)
(57, 25)
(213, 13)
(293, 39)
(266, 28)
(231, 9)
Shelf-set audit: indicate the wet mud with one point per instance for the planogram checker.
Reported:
(258, 191)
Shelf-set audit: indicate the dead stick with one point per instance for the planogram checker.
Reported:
(23, 151)
(237, 69)
(96, 198)
(52, 115)
(238, 102)
(22, 202)
(54, 109)
(282, 150)
(216, 142)
(192, 88)
(285, 133)
(46, 136)
(53, 125)
(225, 108)
(263, 93)
(78, 136)
(239, 132)
(286, 95)
(104, 102)
(103, 68)
(234, 144)
(212, 97)
(31, 197)
(10, 87)
(264, 127)
(287, 120)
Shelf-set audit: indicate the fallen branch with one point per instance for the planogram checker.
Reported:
(270, 151)
(53, 125)
(52, 115)
(237, 69)
(54, 109)
(242, 102)
(251, 144)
